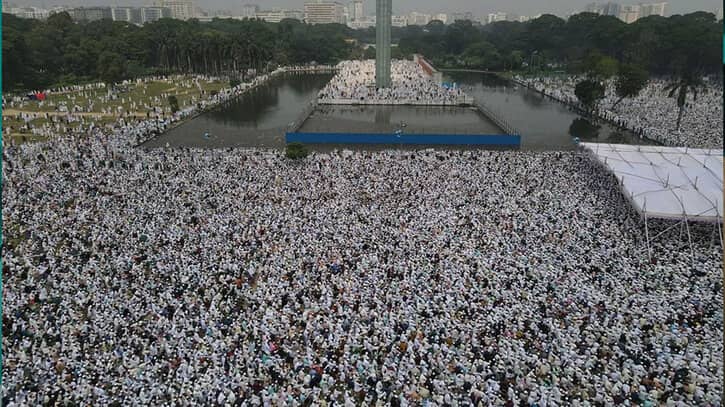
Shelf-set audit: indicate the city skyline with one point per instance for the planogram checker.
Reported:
(518, 7)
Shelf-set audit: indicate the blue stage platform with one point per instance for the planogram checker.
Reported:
(405, 139)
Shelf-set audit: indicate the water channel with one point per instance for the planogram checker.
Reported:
(544, 124)
(261, 117)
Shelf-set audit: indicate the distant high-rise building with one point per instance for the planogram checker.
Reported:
(442, 17)
(495, 17)
(180, 9)
(611, 9)
(133, 15)
(35, 13)
(629, 14)
(463, 16)
(250, 10)
(366, 22)
(151, 14)
(719, 13)
(324, 12)
(400, 21)
(91, 13)
(277, 15)
(653, 9)
(129, 14)
(416, 18)
(57, 9)
(594, 8)
(294, 14)
(357, 9)
(347, 12)
(270, 16)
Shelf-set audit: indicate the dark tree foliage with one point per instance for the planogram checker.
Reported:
(688, 82)
(589, 92)
(662, 46)
(111, 67)
(38, 54)
(630, 81)
(296, 151)
(174, 103)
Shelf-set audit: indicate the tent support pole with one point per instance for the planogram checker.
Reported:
(712, 237)
(689, 240)
(646, 234)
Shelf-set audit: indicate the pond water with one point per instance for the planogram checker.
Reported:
(544, 124)
(261, 117)
(388, 119)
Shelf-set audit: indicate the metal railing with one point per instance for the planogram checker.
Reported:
(302, 117)
(457, 101)
(498, 119)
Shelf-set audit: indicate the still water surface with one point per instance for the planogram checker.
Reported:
(544, 124)
(258, 118)
(261, 117)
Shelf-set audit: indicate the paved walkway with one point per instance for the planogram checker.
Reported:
(15, 112)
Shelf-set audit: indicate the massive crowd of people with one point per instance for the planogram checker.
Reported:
(156, 115)
(235, 277)
(355, 83)
(86, 107)
(652, 114)
(222, 277)
(94, 98)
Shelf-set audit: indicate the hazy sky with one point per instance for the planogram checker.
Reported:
(478, 7)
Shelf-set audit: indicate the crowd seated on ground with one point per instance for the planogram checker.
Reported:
(652, 114)
(355, 82)
(156, 115)
(220, 277)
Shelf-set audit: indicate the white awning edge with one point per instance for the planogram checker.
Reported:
(666, 182)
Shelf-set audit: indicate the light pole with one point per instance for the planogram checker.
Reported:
(531, 61)
(399, 134)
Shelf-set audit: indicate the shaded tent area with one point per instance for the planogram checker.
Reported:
(679, 184)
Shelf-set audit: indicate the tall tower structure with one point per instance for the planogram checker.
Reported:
(384, 23)
(357, 10)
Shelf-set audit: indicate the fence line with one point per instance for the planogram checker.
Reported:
(458, 101)
(499, 140)
(498, 119)
(302, 117)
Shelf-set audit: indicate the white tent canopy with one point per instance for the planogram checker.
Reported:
(667, 182)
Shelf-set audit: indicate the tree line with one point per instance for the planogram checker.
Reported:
(57, 51)
(662, 46)
(39, 54)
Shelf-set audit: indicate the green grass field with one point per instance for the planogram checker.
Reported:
(132, 93)
(152, 93)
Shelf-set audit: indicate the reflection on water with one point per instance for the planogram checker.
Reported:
(544, 124)
(387, 119)
(583, 128)
(382, 116)
(259, 118)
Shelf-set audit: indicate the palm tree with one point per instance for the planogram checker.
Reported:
(688, 82)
